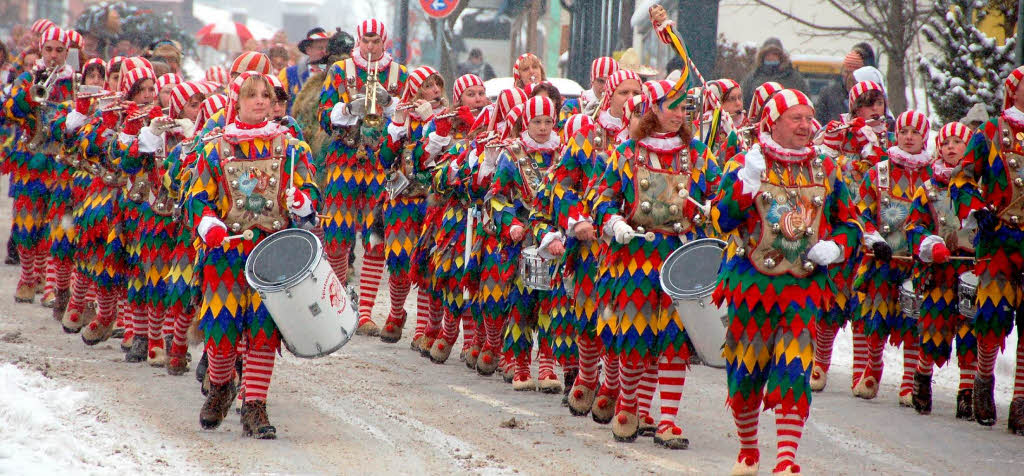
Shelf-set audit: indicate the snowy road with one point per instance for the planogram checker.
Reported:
(375, 408)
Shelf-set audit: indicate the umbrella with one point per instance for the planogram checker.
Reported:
(225, 36)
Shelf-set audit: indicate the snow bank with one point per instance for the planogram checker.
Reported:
(49, 428)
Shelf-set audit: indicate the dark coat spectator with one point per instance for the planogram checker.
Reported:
(475, 64)
(833, 100)
(773, 64)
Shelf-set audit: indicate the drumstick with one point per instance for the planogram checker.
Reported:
(245, 235)
(649, 236)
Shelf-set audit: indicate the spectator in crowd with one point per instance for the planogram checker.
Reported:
(475, 64)
(278, 55)
(773, 64)
(832, 101)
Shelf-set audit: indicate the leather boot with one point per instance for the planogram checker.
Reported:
(218, 402)
(1015, 420)
(984, 401)
(255, 422)
(922, 395)
(60, 304)
(965, 404)
(139, 349)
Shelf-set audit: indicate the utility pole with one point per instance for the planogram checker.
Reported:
(532, 17)
(401, 43)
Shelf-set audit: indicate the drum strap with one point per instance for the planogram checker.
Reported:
(393, 75)
(351, 78)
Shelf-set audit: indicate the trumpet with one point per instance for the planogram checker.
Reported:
(43, 84)
(373, 117)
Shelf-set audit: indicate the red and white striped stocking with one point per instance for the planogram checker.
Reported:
(645, 390)
(398, 286)
(50, 275)
(435, 317)
(967, 373)
(746, 431)
(1018, 376)
(545, 361)
(671, 377)
(987, 359)
(629, 380)
(823, 343)
(422, 314)
(65, 269)
(259, 366)
(468, 330)
(860, 353)
(221, 366)
(911, 351)
(590, 355)
(612, 375)
(789, 428)
(369, 283)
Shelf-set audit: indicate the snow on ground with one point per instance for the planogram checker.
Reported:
(50, 428)
(947, 377)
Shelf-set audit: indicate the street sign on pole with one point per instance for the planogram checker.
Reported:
(439, 8)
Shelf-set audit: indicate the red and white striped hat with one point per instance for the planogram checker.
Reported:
(465, 81)
(275, 81)
(507, 100)
(761, 96)
(576, 124)
(629, 107)
(914, 119)
(97, 60)
(779, 103)
(114, 62)
(75, 39)
(183, 92)
(41, 25)
(416, 79)
(512, 117)
(219, 75)
(614, 80)
(210, 106)
(719, 87)
(54, 33)
(169, 79)
(519, 62)
(235, 90)
(539, 106)
(372, 26)
(134, 69)
(1010, 86)
(654, 92)
(251, 61)
(861, 88)
(953, 129)
(603, 67)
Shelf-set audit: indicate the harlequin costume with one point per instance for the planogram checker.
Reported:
(886, 198)
(354, 176)
(294, 77)
(231, 311)
(987, 191)
(647, 331)
(775, 285)
(600, 69)
(727, 141)
(31, 164)
(857, 147)
(937, 234)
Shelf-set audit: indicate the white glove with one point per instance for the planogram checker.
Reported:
(75, 120)
(148, 141)
(549, 238)
(299, 202)
(927, 244)
(208, 223)
(750, 173)
(871, 238)
(824, 253)
(397, 131)
(424, 110)
(340, 116)
(623, 232)
(436, 144)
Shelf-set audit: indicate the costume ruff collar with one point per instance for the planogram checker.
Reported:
(238, 131)
(908, 160)
(533, 146)
(662, 142)
(1015, 117)
(941, 171)
(609, 122)
(360, 61)
(771, 148)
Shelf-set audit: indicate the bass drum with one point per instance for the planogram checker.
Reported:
(305, 298)
(689, 276)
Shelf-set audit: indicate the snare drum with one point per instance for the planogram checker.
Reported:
(967, 295)
(689, 276)
(536, 271)
(307, 301)
(910, 302)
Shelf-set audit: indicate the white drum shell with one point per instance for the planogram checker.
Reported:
(967, 295)
(704, 322)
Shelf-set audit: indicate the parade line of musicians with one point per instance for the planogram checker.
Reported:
(133, 191)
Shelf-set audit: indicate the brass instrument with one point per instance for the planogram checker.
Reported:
(372, 117)
(43, 83)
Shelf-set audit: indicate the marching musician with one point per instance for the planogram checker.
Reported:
(254, 160)
(793, 214)
(946, 251)
(355, 178)
(649, 333)
(527, 70)
(987, 189)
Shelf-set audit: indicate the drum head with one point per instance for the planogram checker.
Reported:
(908, 286)
(282, 259)
(691, 272)
(969, 278)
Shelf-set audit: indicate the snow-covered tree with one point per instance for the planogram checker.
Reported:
(970, 66)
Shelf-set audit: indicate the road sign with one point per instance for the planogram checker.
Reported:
(439, 8)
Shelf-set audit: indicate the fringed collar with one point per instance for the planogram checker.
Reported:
(360, 61)
(941, 171)
(238, 131)
(1015, 117)
(662, 143)
(531, 145)
(908, 160)
(772, 149)
(609, 122)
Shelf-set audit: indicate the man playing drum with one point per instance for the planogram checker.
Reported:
(793, 213)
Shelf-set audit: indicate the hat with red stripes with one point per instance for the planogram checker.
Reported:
(914, 119)
(603, 67)
(315, 34)
(416, 79)
(251, 61)
(218, 74)
(42, 25)
(275, 81)
(539, 106)
(781, 102)
(862, 87)
(519, 63)
(614, 80)
(75, 39)
(372, 26)
(761, 96)
(576, 124)
(54, 33)
(183, 92)
(953, 129)
(1010, 86)
(208, 108)
(465, 81)
(633, 104)
(114, 62)
(92, 61)
(133, 70)
(507, 99)
(235, 91)
(719, 88)
(655, 92)
(511, 118)
(169, 79)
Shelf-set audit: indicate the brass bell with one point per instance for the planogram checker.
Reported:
(680, 186)
(231, 170)
(1015, 219)
(769, 263)
(1006, 141)
(645, 184)
(683, 194)
(236, 226)
(818, 201)
(598, 141)
(685, 168)
(234, 184)
(809, 231)
(58, 157)
(272, 181)
(741, 251)
(269, 205)
(792, 194)
(277, 150)
(136, 196)
(239, 202)
(808, 265)
(673, 209)
(273, 166)
(818, 162)
(522, 161)
(931, 196)
(767, 197)
(698, 219)
(109, 178)
(883, 168)
(820, 175)
(1018, 181)
(886, 229)
(32, 147)
(277, 224)
(1013, 163)
(645, 207)
(885, 200)
(641, 230)
(776, 227)
(942, 220)
(678, 228)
